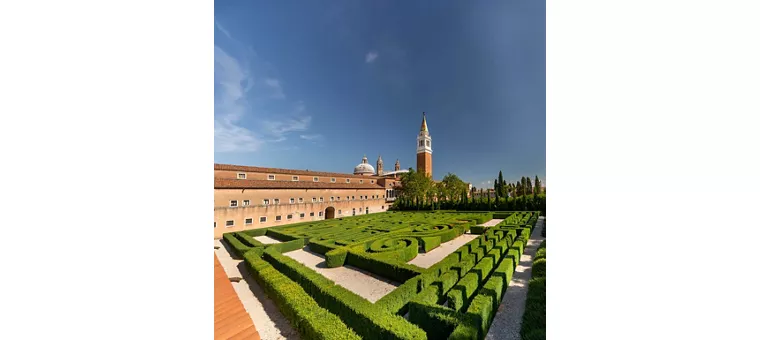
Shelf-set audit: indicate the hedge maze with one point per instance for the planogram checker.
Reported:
(455, 298)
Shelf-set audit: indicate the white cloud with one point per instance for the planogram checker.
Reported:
(274, 84)
(232, 105)
(219, 26)
(278, 129)
(370, 57)
(312, 137)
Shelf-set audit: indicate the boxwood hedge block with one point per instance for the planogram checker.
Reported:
(436, 321)
(238, 247)
(464, 289)
(430, 243)
(336, 257)
(396, 301)
(399, 272)
(477, 229)
(320, 247)
(539, 268)
(465, 331)
(256, 232)
(481, 308)
(285, 247)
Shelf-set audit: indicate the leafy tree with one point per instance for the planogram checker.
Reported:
(537, 188)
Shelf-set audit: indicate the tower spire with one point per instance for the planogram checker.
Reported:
(424, 127)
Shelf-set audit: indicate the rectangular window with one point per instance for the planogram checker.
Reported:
(241, 175)
(383, 207)
(302, 215)
(332, 180)
(262, 219)
(229, 224)
(278, 218)
(348, 180)
(266, 201)
(290, 216)
(361, 181)
(338, 198)
(372, 181)
(321, 199)
(270, 177)
(246, 202)
(311, 214)
(313, 200)
(292, 200)
(339, 212)
(320, 214)
(300, 200)
(295, 178)
(233, 203)
(332, 198)
(276, 201)
(248, 221)
(353, 198)
(214, 224)
(316, 179)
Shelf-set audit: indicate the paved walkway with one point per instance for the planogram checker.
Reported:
(270, 323)
(492, 222)
(506, 324)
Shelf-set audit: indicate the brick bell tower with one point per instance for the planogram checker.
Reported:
(424, 149)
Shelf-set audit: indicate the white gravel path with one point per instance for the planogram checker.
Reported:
(265, 239)
(363, 283)
(506, 324)
(492, 222)
(426, 260)
(268, 320)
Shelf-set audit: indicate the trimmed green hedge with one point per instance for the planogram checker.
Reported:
(399, 272)
(534, 318)
(462, 291)
(466, 331)
(311, 320)
(482, 310)
(396, 301)
(430, 243)
(370, 322)
(436, 321)
(281, 236)
(320, 247)
(248, 240)
(285, 247)
(238, 247)
(539, 268)
(255, 232)
(477, 229)
(336, 257)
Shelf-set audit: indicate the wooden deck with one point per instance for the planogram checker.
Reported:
(231, 320)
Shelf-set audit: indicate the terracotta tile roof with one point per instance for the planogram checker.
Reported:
(231, 321)
(231, 167)
(224, 183)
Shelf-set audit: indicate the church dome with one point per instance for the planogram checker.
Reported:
(364, 168)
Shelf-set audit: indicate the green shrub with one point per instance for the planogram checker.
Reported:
(520, 245)
(462, 291)
(477, 229)
(464, 266)
(430, 243)
(320, 247)
(514, 255)
(436, 321)
(399, 272)
(483, 268)
(539, 268)
(466, 331)
(238, 247)
(536, 334)
(482, 310)
(401, 249)
(446, 282)
(285, 247)
(336, 257)
(280, 235)
(395, 302)
(311, 321)
(534, 317)
(248, 240)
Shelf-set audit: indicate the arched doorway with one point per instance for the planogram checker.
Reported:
(329, 213)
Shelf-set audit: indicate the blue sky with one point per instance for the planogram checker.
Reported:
(318, 84)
